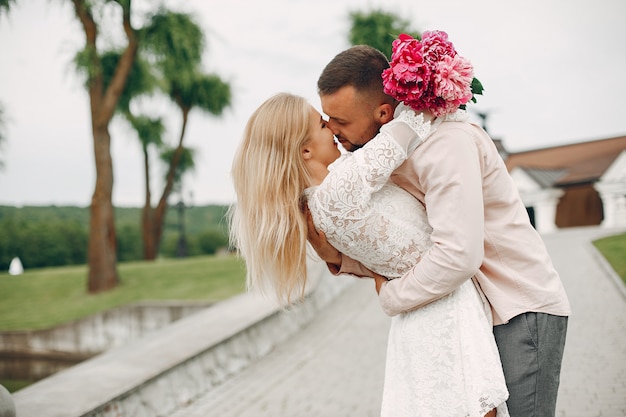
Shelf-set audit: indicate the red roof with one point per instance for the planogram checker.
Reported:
(581, 162)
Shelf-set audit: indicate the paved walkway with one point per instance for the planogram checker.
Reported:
(593, 379)
(335, 367)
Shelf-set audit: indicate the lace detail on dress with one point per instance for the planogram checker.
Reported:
(394, 215)
(442, 361)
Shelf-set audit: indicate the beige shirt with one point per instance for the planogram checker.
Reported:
(480, 229)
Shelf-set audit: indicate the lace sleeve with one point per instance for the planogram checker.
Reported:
(358, 210)
(351, 182)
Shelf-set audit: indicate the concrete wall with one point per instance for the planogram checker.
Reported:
(169, 368)
(100, 332)
(33, 355)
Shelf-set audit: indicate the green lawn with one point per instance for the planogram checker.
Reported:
(42, 298)
(46, 297)
(614, 250)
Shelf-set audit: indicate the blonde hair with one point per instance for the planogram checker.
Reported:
(269, 175)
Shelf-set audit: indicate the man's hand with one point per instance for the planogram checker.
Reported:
(380, 280)
(318, 240)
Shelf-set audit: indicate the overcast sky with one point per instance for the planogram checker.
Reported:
(553, 73)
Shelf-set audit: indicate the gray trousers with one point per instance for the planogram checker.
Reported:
(531, 350)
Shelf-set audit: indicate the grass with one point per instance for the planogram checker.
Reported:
(613, 248)
(13, 385)
(42, 298)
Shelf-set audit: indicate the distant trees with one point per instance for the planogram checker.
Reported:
(378, 29)
(174, 42)
(168, 60)
(58, 236)
(107, 61)
(42, 243)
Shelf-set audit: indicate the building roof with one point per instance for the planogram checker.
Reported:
(575, 163)
(545, 177)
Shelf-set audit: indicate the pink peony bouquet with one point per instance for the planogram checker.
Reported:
(429, 74)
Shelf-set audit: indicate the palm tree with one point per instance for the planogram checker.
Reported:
(140, 81)
(107, 77)
(176, 43)
(168, 58)
(150, 133)
(103, 99)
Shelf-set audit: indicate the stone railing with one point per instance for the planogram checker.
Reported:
(169, 368)
(32, 355)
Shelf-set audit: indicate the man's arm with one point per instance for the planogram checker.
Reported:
(448, 167)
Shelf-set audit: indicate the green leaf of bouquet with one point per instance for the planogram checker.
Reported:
(477, 86)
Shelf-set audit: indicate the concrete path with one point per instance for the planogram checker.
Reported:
(593, 379)
(334, 368)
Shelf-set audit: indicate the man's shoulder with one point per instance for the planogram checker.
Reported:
(449, 133)
(450, 141)
(453, 125)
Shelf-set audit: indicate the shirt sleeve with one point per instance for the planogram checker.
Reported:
(449, 170)
(349, 266)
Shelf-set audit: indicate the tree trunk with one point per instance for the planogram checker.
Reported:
(102, 243)
(161, 209)
(150, 247)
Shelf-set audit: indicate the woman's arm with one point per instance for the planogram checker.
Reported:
(348, 186)
(341, 206)
(346, 191)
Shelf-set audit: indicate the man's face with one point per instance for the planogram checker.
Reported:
(352, 120)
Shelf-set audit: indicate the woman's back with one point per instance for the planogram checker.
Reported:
(388, 235)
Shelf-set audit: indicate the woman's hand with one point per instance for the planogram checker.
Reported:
(380, 280)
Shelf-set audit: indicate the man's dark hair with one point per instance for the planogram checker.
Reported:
(360, 66)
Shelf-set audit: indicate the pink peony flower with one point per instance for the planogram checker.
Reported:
(436, 46)
(428, 74)
(453, 79)
(405, 48)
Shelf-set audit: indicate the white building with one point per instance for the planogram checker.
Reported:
(580, 184)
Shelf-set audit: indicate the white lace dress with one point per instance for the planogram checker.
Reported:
(442, 359)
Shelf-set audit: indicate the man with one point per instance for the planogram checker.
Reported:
(480, 229)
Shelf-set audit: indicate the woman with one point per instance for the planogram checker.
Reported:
(442, 359)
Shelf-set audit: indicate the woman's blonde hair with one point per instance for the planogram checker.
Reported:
(269, 175)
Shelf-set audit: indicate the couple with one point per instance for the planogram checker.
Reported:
(461, 231)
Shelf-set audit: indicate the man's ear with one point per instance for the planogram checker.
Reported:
(385, 113)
